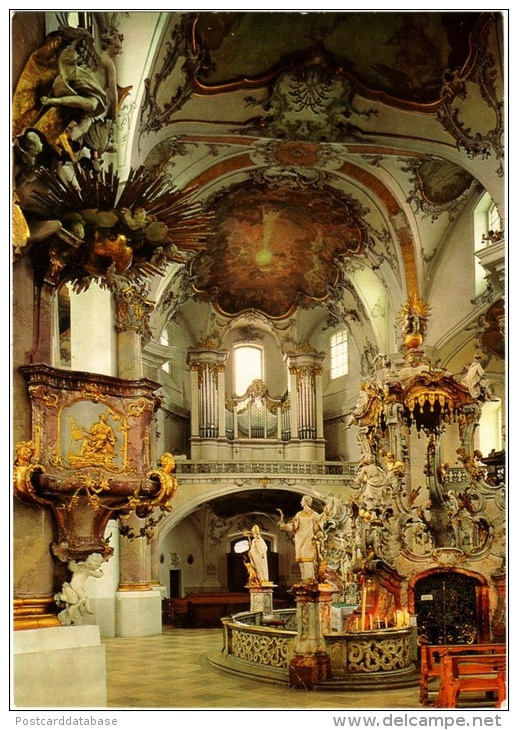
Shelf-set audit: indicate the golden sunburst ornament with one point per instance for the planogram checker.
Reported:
(413, 319)
(132, 229)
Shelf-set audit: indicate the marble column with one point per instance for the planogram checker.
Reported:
(33, 570)
(310, 663)
(138, 606)
(41, 646)
(93, 345)
(33, 566)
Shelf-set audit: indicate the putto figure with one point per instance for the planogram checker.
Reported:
(73, 595)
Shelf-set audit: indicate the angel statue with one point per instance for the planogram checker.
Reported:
(73, 595)
(68, 91)
(475, 381)
(64, 113)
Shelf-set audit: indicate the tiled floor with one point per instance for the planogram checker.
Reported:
(172, 671)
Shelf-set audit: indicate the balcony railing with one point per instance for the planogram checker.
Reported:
(325, 468)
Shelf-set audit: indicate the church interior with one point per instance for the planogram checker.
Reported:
(258, 357)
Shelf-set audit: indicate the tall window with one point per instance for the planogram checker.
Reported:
(485, 218)
(494, 222)
(489, 432)
(164, 340)
(339, 354)
(248, 366)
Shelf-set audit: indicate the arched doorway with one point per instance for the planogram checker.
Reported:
(451, 607)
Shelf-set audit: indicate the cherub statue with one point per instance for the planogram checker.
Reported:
(73, 595)
(394, 467)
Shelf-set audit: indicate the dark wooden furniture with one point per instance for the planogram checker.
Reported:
(205, 610)
(431, 660)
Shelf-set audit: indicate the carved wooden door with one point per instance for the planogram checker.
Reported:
(446, 608)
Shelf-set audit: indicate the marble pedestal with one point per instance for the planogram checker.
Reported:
(261, 598)
(310, 663)
(138, 613)
(59, 667)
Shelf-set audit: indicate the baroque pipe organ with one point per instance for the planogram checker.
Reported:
(293, 420)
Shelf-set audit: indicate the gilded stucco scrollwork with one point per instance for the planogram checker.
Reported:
(182, 56)
(439, 187)
(24, 469)
(167, 481)
(133, 309)
(85, 460)
(312, 101)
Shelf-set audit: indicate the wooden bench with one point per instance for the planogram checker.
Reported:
(471, 673)
(205, 610)
(431, 660)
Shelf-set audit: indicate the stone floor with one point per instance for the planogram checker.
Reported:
(172, 671)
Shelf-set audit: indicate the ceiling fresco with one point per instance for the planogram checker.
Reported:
(405, 56)
(442, 182)
(276, 249)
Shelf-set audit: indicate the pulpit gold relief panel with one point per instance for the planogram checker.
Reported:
(89, 455)
(83, 422)
(91, 434)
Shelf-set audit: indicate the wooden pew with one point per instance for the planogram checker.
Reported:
(471, 673)
(431, 660)
(205, 610)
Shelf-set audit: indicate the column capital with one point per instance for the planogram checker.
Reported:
(132, 307)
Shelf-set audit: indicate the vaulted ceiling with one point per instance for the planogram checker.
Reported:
(337, 149)
(334, 150)
(307, 166)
